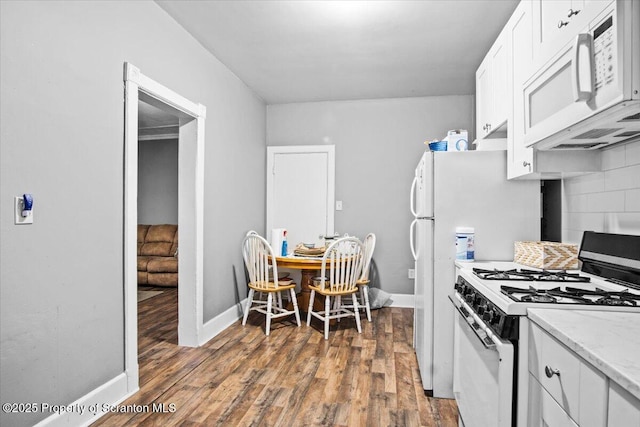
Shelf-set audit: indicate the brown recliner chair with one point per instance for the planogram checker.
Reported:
(158, 255)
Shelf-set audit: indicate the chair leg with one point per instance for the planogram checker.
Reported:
(327, 310)
(269, 304)
(280, 300)
(310, 308)
(338, 305)
(294, 300)
(365, 296)
(248, 308)
(356, 311)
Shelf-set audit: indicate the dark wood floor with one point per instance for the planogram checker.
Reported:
(291, 378)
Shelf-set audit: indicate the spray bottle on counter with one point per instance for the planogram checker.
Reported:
(284, 244)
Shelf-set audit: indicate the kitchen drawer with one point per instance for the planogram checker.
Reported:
(544, 411)
(573, 383)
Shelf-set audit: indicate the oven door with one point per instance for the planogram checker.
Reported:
(482, 371)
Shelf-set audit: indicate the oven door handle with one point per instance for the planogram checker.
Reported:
(477, 326)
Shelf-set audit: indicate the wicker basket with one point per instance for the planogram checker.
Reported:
(547, 255)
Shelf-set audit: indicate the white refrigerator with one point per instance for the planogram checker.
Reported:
(460, 189)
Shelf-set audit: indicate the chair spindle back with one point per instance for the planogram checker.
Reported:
(259, 260)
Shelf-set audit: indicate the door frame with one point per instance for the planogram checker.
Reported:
(190, 212)
(330, 150)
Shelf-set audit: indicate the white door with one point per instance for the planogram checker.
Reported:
(300, 192)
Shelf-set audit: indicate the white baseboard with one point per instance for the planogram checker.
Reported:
(401, 301)
(89, 407)
(222, 321)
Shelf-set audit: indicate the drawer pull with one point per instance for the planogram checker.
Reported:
(550, 372)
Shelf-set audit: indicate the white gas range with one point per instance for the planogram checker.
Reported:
(491, 330)
(512, 288)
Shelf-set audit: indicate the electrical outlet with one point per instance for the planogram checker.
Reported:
(412, 273)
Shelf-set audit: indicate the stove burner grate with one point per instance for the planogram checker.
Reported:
(570, 295)
(502, 274)
(616, 300)
(541, 298)
(530, 275)
(557, 276)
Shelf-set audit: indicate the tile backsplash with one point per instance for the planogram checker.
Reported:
(607, 201)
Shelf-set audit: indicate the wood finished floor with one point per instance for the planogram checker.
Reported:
(291, 378)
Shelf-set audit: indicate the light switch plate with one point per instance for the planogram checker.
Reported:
(412, 273)
(17, 208)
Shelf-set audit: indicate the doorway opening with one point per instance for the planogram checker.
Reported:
(157, 226)
(190, 130)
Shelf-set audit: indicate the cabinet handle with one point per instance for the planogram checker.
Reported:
(550, 372)
(562, 24)
(572, 12)
(525, 164)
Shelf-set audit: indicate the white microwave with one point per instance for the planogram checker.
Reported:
(588, 95)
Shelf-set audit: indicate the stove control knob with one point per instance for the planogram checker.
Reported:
(487, 316)
(480, 310)
(496, 319)
(469, 298)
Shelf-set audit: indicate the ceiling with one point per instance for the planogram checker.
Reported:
(302, 51)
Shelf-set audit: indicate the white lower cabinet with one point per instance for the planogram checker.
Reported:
(564, 389)
(624, 408)
(544, 410)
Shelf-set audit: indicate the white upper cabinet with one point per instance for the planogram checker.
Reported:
(492, 89)
(558, 22)
(520, 46)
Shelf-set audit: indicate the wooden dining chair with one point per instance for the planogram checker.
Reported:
(363, 281)
(260, 262)
(283, 277)
(340, 271)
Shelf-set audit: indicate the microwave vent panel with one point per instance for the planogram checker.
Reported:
(631, 118)
(579, 146)
(595, 133)
(627, 134)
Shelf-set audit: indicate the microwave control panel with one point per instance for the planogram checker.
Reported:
(604, 53)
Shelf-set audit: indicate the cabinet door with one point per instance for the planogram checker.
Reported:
(558, 22)
(520, 45)
(483, 98)
(554, 31)
(543, 410)
(499, 83)
(624, 409)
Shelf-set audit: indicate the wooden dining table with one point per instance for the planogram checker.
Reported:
(309, 268)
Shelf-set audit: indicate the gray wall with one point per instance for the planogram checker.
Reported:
(62, 115)
(158, 182)
(378, 145)
(607, 201)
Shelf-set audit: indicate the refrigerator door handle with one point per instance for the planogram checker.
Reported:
(412, 227)
(412, 198)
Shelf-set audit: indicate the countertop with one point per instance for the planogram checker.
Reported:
(610, 341)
